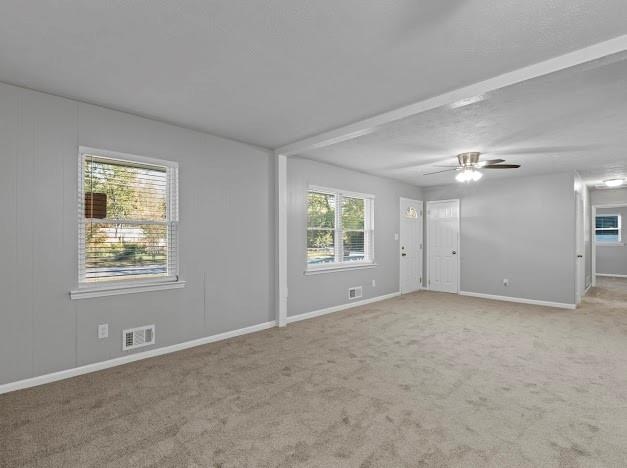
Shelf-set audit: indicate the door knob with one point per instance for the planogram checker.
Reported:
(454, 252)
(404, 254)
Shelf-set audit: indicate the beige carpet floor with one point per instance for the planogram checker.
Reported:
(426, 379)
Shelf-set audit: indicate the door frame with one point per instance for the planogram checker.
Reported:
(594, 237)
(428, 244)
(421, 265)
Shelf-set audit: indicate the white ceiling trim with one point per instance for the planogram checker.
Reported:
(366, 126)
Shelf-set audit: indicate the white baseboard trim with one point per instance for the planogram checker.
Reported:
(96, 366)
(560, 305)
(349, 305)
(612, 275)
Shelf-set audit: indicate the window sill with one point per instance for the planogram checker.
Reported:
(610, 244)
(101, 291)
(334, 268)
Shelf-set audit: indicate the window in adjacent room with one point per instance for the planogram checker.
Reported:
(128, 219)
(339, 229)
(608, 228)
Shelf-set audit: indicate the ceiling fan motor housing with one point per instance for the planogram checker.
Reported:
(468, 159)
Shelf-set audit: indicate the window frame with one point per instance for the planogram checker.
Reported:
(87, 289)
(619, 229)
(338, 232)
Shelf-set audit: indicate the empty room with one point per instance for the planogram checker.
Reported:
(313, 234)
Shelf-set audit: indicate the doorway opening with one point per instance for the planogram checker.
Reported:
(609, 252)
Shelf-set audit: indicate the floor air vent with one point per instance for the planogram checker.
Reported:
(354, 293)
(138, 337)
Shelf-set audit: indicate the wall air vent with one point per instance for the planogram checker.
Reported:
(354, 293)
(133, 338)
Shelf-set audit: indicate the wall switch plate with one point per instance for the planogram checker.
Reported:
(505, 282)
(374, 283)
(103, 330)
(396, 236)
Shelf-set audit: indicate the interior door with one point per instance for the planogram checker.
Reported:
(443, 245)
(580, 286)
(410, 245)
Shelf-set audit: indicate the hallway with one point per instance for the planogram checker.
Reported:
(609, 290)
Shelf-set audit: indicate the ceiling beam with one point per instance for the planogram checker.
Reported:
(369, 125)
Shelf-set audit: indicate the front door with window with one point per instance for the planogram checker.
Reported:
(410, 245)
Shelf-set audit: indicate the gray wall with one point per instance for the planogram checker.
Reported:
(307, 293)
(226, 235)
(612, 259)
(608, 196)
(521, 229)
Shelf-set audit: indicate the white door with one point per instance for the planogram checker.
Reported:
(580, 285)
(410, 245)
(443, 245)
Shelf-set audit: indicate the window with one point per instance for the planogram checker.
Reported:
(128, 219)
(339, 229)
(608, 228)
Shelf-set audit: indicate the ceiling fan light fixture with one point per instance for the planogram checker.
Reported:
(469, 162)
(468, 175)
(614, 182)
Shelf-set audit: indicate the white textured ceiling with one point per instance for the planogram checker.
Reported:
(274, 71)
(575, 119)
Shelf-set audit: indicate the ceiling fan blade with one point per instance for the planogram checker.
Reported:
(501, 166)
(490, 161)
(437, 172)
(446, 165)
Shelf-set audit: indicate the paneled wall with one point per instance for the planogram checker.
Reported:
(226, 235)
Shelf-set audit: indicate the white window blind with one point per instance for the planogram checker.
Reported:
(128, 219)
(608, 228)
(340, 228)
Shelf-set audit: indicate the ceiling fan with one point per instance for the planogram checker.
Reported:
(469, 163)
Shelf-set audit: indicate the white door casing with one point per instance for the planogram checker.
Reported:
(410, 245)
(443, 253)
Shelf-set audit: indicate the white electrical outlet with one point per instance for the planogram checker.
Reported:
(505, 282)
(103, 330)
(374, 283)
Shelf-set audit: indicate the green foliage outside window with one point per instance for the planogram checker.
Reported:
(321, 228)
(136, 203)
